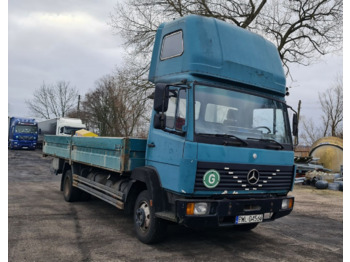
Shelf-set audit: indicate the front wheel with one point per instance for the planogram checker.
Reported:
(149, 229)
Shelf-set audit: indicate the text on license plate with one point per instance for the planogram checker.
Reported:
(249, 219)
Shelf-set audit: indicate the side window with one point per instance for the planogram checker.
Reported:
(171, 112)
(197, 109)
(176, 113)
(172, 45)
(181, 110)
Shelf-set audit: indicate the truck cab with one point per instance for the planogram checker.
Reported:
(65, 126)
(220, 127)
(61, 126)
(23, 133)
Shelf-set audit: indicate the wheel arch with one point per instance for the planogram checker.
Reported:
(67, 166)
(145, 178)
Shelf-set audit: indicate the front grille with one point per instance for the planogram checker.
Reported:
(25, 138)
(233, 177)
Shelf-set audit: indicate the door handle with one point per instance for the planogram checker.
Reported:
(151, 145)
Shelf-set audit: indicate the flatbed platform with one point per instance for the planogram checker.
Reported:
(119, 154)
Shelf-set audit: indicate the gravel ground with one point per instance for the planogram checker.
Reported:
(43, 227)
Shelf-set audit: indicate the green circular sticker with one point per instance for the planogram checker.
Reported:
(211, 178)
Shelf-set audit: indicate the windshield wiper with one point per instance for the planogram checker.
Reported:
(276, 145)
(241, 142)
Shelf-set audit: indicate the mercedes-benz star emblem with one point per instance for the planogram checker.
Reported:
(253, 176)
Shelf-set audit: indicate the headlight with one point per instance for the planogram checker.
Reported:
(199, 208)
(287, 203)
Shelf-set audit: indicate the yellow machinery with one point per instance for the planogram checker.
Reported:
(330, 152)
(86, 133)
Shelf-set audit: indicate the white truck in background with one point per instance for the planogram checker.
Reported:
(61, 126)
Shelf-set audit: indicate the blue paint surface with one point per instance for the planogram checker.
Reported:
(22, 133)
(213, 48)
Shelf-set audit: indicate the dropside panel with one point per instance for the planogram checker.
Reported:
(118, 154)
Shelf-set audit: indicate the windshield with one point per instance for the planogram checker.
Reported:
(245, 116)
(68, 130)
(26, 129)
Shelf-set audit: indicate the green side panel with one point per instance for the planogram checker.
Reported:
(56, 146)
(113, 153)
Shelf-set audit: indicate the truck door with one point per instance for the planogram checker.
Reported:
(165, 146)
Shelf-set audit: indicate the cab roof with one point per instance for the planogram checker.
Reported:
(210, 48)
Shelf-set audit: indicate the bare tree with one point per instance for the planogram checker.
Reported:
(118, 105)
(332, 107)
(53, 100)
(310, 131)
(331, 102)
(301, 29)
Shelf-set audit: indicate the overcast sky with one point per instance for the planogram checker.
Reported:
(49, 41)
(71, 40)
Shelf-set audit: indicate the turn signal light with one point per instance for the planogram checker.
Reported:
(290, 203)
(190, 209)
(287, 203)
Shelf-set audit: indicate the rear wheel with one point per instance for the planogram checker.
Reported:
(149, 229)
(70, 193)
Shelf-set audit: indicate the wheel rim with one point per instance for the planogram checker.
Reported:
(142, 216)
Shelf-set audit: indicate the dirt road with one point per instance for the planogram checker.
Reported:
(43, 227)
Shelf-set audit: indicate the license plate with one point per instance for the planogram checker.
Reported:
(249, 219)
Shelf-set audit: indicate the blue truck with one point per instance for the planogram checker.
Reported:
(219, 151)
(22, 133)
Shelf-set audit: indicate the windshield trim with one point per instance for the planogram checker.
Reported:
(242, 89)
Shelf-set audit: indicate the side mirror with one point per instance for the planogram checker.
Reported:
(295, 125)
(159, 121)
(161, 98)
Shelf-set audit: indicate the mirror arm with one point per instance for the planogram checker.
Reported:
(291, 108)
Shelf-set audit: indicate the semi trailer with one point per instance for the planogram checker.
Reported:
(61, 126)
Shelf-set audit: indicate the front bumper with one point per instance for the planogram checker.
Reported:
(23, 144)
(224, 212)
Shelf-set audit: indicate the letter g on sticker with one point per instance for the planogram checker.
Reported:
(211, 178)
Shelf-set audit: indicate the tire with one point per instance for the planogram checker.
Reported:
(70, 193)
(321, 184)
(149, 229)
(247, 227)
(333, 186)
(340, 185)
